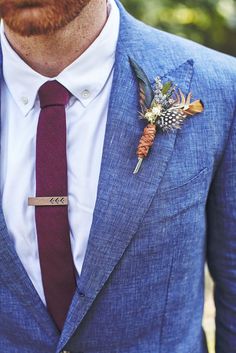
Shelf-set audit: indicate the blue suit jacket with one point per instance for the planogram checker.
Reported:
(142, 284)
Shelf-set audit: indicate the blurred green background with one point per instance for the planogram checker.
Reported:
(209, 22)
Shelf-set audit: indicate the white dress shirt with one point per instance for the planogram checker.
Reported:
(89, 79)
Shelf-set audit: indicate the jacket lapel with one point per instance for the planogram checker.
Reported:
(123, 198)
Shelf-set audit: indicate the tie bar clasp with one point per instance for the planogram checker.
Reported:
(48, 201)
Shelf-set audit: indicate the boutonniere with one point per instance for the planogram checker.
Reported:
(165, 108)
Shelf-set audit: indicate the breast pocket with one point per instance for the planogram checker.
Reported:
(176, 215)
(183, 193)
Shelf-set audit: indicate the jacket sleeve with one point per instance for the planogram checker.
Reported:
(221, 245)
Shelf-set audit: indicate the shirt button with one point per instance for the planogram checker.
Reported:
(85, 94)
(25, 100)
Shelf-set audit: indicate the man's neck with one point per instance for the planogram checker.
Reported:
(50, 54)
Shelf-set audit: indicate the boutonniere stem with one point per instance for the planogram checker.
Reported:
(145, 144)
(164, 108)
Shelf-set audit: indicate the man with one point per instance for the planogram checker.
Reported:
(127, 275)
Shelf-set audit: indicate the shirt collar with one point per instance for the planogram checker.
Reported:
(84, 78)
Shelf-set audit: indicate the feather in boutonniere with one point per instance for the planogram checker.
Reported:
(164, 107)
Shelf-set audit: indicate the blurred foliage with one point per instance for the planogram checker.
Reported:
(209, 22)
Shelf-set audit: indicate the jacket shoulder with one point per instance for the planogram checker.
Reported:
(213, 70)
(158, 43)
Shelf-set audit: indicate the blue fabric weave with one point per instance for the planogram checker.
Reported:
(142, 284)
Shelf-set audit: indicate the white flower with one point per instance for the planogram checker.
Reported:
(149, 115)
(156, 110)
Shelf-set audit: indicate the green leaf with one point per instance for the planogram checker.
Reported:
(166, 87)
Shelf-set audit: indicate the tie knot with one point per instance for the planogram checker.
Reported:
(52, 93)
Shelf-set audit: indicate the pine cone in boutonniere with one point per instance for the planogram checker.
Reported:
(164, 107)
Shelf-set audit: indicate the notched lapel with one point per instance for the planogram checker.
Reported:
(123, 198)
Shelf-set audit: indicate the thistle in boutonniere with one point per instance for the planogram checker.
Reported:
(163, 106)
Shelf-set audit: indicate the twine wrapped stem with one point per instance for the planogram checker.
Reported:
(145, 144)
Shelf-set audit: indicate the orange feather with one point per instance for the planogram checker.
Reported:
(194, 108)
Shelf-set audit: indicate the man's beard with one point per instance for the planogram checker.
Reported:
(39, 17)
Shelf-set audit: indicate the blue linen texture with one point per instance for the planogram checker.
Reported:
(141, 289)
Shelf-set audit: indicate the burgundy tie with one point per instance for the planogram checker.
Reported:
(56, 261)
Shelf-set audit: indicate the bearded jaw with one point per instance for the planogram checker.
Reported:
(32, 17)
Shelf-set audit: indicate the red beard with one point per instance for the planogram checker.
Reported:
(37, 17)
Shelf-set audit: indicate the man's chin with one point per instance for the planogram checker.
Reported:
(31, 18)
(27, 27)
(33, 21)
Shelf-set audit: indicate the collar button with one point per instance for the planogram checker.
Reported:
(25, 100)
(85, 94)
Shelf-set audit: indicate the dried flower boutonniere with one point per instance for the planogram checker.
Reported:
(164, 107)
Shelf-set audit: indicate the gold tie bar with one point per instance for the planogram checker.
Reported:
(48, 201)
